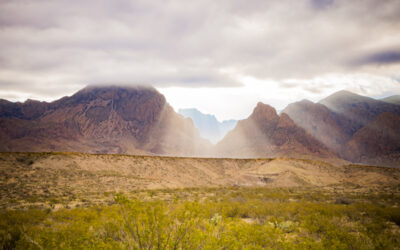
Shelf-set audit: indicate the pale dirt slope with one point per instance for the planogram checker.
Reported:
(30, 176)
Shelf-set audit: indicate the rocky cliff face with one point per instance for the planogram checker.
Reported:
(266, 134)
(134, 120)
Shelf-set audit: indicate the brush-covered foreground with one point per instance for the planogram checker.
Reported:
(84, 201)
(213, 218)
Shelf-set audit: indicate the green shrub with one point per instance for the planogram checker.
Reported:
(238, 218)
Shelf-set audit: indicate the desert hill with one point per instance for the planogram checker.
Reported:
(135, 120)
(75, 175)
(266, 134)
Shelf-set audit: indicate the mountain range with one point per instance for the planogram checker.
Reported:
(138, 120)
(208, 125)
(131, 120)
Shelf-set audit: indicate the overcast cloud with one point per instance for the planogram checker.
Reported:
(51, 48)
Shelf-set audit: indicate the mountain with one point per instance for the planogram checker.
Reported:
(349, 124)
(138, 120)
(377, 143)
(134, 120)
(323, 124)
(359, 110)
(266, 134)
(394, 99)
(208, 126)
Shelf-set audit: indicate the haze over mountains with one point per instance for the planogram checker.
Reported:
(134, 120)
(208, 126)
(138, 120)
(357, 128)
(266, 134)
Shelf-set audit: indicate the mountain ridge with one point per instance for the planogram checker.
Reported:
(138, 120)
(102, 119)
(394, 99)
(337, 119)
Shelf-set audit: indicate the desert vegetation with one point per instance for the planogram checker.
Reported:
(83, 201)
(212, 218)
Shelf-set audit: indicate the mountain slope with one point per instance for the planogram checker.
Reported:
(394, 99)
(135, 120)
(352, 126)
(377, 143)
(358, 110)
(208, 126)
(265, 134)
(326, 126)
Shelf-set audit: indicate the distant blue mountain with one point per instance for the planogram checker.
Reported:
(208, 126)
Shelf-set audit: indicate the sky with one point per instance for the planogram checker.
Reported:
(221, 57)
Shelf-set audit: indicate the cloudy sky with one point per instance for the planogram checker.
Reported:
(221, 57)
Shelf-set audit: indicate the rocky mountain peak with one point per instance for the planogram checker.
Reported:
(266, 134)
(106, 119)
(264, 113)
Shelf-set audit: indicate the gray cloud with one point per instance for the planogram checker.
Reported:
(58, 45)
(320, 4)
(380, 58)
